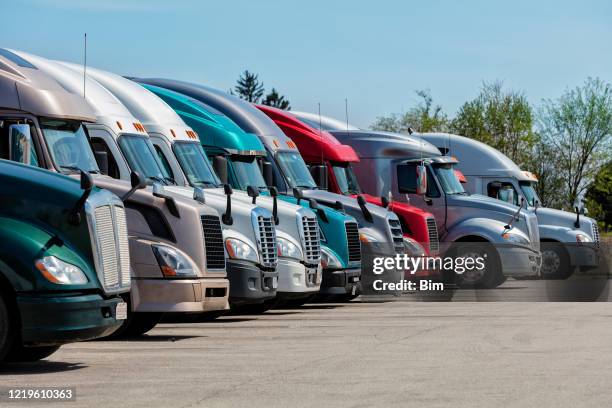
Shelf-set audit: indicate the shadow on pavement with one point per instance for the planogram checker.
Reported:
(39, 367)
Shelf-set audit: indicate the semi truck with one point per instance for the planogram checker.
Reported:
(249, 233)
(176, 251)
(379, 229)
(333, 161)
(413, 170)
(568, 240)
(63, 259)
(237, 155)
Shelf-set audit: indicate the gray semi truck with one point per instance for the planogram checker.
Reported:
(568, 240)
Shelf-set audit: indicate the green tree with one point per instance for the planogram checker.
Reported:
(502, 119)
(578, 127)
(599, 197)
(424, 117)
(249, 88)
(276, 100)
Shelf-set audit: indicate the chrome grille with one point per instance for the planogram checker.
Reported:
(397, 235)
(109, 235)
(267, 241)
(123, 244)
(434, 241)
(312, 240)
(353, 242)
(595, 231)
(213, 242)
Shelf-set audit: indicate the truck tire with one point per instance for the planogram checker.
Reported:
(489, 278)
(7, 334)
(555, 261)
(20, 354)
(138, 324)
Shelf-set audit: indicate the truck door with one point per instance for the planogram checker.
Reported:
(433, 201)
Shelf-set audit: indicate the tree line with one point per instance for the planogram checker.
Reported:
(566, 142)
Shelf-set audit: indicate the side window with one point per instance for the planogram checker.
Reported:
(101, 149)
(503, 191)
(164, 161)
(407, 180)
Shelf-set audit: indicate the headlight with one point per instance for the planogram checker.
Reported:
(329, 260)
(57, 271)
(288, 249)
(516, 239)
(413, 248)
(367, 238)
(237, 249)
(583, 238)
(173, 263)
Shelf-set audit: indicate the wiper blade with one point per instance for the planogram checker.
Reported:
(170, 180)
(205, 183)
(158, 179)
(73, 168)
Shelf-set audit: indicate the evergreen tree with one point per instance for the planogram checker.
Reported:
(276, 100)
(249, 88)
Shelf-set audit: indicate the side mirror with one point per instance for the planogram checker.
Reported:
(267, 173)
(364, 209)
(319, 174)
(421, 187)
(227, 216)
(220, 166)
(20, 143)
(313, 204)
(137, 181)
(297, 193)
(102, 160)
(253, 193)
(384, 201)
(274, 195)
(87, 185)
(199, 195)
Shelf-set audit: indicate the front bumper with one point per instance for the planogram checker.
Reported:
(249, 284)
(341, 282)
(519, 261)
(585, 255)
(53, 319)
(179, 295)
(295, 278)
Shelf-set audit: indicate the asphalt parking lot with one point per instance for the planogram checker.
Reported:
(398, 353)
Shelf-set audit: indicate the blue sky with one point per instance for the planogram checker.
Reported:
(375, 53)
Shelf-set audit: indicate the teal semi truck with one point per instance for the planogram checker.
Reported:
(56, 286)
(236, 156)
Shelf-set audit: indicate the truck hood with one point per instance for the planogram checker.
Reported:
(564, 219)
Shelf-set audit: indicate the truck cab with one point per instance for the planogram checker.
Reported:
(63, 260)
(284, 168)
(331, 164)
(402, 165)
(236, 156)
(568, 240)
(177, 262)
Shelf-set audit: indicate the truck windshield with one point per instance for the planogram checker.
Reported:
(295, 170)
(528, 188)
(346, 179)
(195, 164)
(448, 179)
(141, 157)
(68, 145)
(247, 172)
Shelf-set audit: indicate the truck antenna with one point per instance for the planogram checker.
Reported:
(346, 114)
(84, 64)
(321, 134)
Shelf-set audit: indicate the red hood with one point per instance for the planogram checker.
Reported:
(396, 206)
(311, 142)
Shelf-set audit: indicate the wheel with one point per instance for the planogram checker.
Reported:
(555, 261)
(487, 278)
(7, 335)
(140, 323)
(21, 354)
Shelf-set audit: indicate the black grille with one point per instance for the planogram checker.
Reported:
(312, 240)
(434, 242)
(595, 232)
(267, 241)
(398, 236)
(213, 242)
(354, 245)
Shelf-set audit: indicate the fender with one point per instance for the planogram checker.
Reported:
(579, 254)
(485, 228)
(23, 243)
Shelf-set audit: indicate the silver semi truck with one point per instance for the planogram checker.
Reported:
(568, 240)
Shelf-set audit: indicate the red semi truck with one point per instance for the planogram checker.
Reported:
(326, 156)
